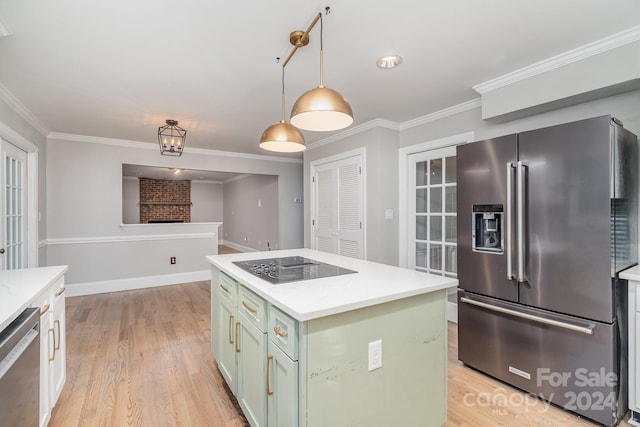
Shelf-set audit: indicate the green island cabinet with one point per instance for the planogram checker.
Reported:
(312, 373)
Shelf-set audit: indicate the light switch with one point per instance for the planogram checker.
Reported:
(388, 214)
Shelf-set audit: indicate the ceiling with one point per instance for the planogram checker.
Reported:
(119, 69)
(176, 174)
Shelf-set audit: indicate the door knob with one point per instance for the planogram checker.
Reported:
(1, 251)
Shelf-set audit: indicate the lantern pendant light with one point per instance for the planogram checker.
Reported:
(171, 138)
(282, 136)
(322, 108)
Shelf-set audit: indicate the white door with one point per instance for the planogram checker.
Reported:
(13, 179)
(432, 207)
(337, 209)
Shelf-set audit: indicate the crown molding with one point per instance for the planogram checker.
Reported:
(371, 124)
(20, 109)
(583, 52)
(148, 146)
(441, 114)
(432, 117)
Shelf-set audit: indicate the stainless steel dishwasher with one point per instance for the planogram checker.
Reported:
(20, 371)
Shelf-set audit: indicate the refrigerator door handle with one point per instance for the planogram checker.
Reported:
(577, 328)
(508, 220)
(520, 168)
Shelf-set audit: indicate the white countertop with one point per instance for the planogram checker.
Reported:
(632, 273)
(373, 284)
(19, 287)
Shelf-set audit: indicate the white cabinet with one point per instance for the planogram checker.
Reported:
(242, 345)
(634, 343)
(52, 346)
(58, 372)
(44, 302)
(282, 370)
(227, 333)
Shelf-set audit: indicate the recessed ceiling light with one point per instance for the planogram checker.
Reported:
(391, 61)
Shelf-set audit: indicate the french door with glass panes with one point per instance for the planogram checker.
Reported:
(433, 211)
(13, 249)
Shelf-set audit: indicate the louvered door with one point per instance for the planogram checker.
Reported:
(338, 207)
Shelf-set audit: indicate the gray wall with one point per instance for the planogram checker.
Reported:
(381, 188)
(12, 123)
(207, 199)
(251, 212)
(84, 190)
(382, 157)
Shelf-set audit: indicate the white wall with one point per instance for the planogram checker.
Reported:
(251, 212)
(84, 190)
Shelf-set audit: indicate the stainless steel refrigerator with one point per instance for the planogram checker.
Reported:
(546, 220)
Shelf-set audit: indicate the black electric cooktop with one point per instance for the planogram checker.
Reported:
(290, 269)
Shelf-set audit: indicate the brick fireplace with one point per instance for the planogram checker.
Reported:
(164, 200)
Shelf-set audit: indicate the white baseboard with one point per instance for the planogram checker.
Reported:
(238, 247)
(90, 288)
(452, 312)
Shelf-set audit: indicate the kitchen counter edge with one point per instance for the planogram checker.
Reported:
(298, 305)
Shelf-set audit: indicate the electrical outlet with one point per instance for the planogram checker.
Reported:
(173, 260)
(375, 355)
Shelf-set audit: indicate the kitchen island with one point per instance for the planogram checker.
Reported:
(361, 349)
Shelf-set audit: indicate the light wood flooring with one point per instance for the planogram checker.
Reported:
(142, 358)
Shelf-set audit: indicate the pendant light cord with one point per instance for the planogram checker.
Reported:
(283, 95)
(321, 56)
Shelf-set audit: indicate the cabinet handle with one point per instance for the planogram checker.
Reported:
(237, 337)
(44, 309)
(230, 325)
(248, 307)
(225, 289)
(57, 346)
(61, 291)
(269, 359)
(53, 355)
(279, 332)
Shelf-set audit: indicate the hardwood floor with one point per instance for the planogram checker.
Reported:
(143, 358)
(222, 249)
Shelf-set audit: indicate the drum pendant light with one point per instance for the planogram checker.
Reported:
(322, 108)
(282, 136)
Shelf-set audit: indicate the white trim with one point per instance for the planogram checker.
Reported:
(452, 312)
(403, 178)
(42, 244)
(149, 146)
(16, 139)
(438, 115)
(90, 288)
(160, 226)
(21, 110)
(583, 52)
(33, 211)
(139, 238)
(238, 247)
(372, 124)
(388, 124)
(360, 153)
